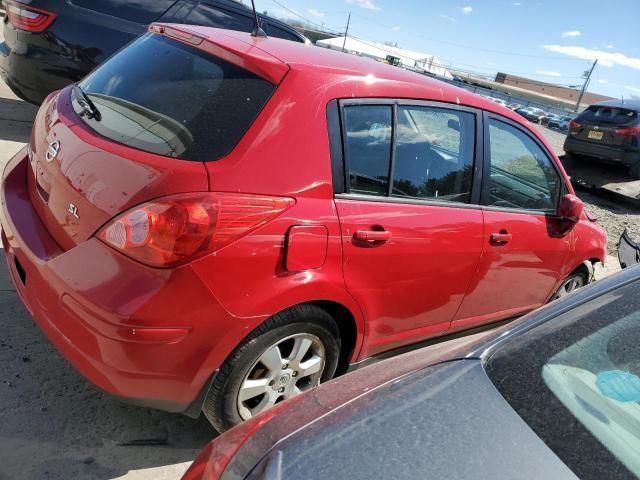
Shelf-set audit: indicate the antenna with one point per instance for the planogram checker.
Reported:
(257, 30)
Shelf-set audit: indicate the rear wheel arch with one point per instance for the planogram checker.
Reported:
(348, 327)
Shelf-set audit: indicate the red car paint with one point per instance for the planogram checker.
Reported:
(156, 335)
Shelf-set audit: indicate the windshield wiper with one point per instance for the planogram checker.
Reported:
(88, 107)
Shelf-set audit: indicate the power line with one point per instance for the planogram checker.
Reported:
(469, 47)
(395, 53)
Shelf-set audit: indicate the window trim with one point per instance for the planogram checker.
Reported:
(488, 116)
(340, 160)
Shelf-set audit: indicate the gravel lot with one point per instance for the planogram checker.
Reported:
(613, 216)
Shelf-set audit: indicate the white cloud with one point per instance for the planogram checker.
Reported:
(571, 34)
(610, 47)
(491, 64)
(368, 4)
(548, 73)
(395, 29)
(633, 89)
(447, 17)
(603, 81)
(315, 13)
(467, 10)
(606, 59)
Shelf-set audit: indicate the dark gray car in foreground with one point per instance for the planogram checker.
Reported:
(554, 395)
(607, 131)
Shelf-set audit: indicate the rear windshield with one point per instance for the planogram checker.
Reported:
(140, 11)
(164, 97)
(612, 115)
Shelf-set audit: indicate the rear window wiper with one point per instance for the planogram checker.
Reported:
(88, 107)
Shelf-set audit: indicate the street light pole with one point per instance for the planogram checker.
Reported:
(586, 84)
(346, 32)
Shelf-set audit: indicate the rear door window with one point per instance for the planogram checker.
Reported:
(139, 11)
(433, 147)
(168, 98)
(434, 154)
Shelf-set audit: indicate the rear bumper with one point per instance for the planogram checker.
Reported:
(145, 335)
(608, 153)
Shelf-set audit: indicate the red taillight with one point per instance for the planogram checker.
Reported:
(573, 125)
(628, 131)
(174, 229)
(28, 18)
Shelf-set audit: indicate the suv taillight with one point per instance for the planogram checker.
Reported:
(628, 131)
(172, 230)
(28, 18)
(574, 126)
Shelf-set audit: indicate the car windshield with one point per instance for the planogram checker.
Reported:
(576, 381)
(162, 96)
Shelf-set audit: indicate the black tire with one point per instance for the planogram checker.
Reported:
(634, 171)
(220, 406)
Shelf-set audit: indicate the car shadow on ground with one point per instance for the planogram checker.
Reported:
(55, 425)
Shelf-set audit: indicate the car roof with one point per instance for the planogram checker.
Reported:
(630, 104)
(443, 422)
(330, 62)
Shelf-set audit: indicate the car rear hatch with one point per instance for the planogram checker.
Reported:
(141, 126)
(602, 124)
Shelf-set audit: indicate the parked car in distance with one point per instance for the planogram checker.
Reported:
(514, 106)
(548, 117)
(607, 131)
(556, 392)
(499, 101)
(561, 123)
(49, 44)
(534, 115)
(194, 232)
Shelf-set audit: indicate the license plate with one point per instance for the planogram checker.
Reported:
(595, 135)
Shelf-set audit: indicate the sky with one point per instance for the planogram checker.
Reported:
(553, 41)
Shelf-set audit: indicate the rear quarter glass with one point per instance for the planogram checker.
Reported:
(164, 97)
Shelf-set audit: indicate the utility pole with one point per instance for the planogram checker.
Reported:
(586, 83)
(346, 32)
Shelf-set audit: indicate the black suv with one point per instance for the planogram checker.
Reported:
(608, 131)
(52, 43)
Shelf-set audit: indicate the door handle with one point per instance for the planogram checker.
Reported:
(372, 235)
(501, 238)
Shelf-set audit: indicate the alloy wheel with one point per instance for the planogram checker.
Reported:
(570, 284)
(285, 369)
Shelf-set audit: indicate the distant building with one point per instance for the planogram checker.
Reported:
(420, 62)
(566, 94)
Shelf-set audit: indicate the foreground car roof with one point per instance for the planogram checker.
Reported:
(446, 421)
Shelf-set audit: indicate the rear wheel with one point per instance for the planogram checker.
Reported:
(291, 352)
(576, 280)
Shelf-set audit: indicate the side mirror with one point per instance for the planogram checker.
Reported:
(570, 208)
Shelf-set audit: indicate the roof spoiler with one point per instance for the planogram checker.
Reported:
(244, 54)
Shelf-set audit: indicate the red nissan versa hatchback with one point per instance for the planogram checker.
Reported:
(214, 221)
